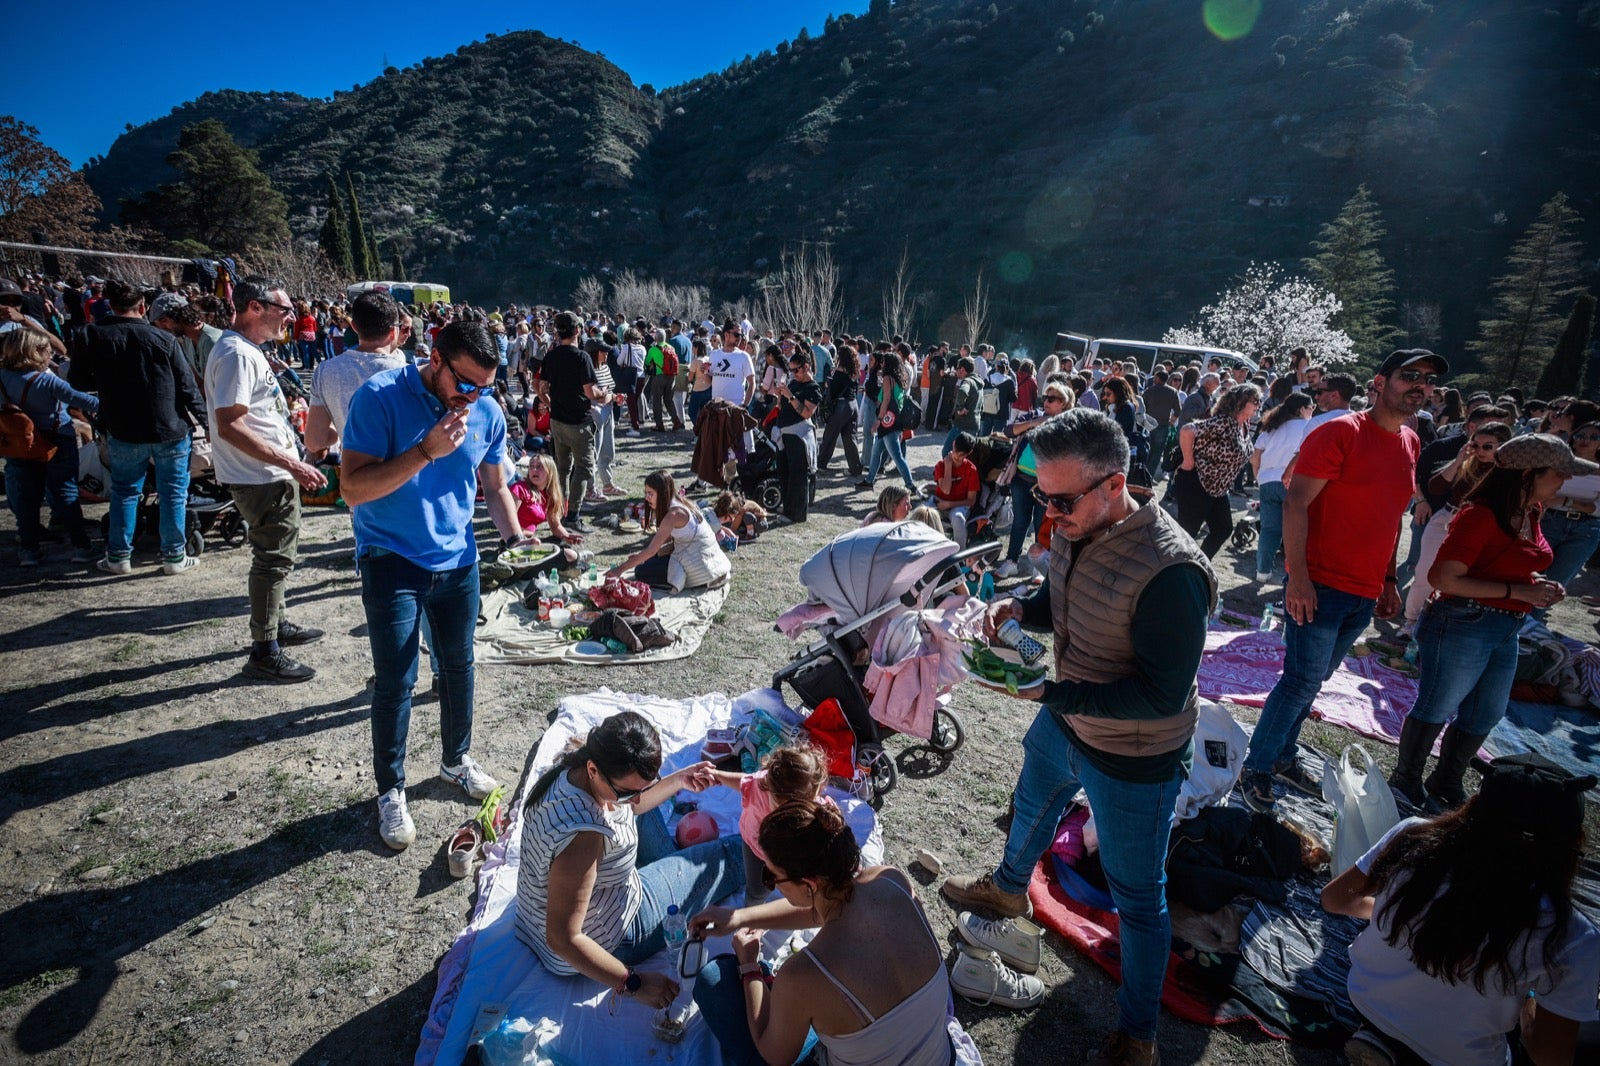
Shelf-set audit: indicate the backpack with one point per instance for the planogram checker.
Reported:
(910, 414)
(669, 361)
(19, 434)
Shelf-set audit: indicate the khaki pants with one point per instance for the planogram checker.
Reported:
(574, 453)
(273, 512)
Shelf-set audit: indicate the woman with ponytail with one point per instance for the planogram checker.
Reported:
(590, 898)
(872, 989)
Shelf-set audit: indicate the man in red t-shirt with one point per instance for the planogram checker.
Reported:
(955, 485)
(1341, 525)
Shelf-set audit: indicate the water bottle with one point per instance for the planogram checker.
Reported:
(676, 930)
(1268, 623)
(592, 578)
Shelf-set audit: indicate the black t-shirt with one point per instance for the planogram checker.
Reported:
(803, 392)
(842, 386)
(566, 370)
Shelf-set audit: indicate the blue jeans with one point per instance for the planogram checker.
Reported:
(1272, 496)
(128, 465)
(1467, 658)
(1573, 542)
(719, 993)
(888, 442)
(1134, 821)
(29, 483)
(396, 593)
(693, 878)
(1312, 652)
(308, 354)
(1026, 514)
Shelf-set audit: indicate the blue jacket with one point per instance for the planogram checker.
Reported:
(47, 399)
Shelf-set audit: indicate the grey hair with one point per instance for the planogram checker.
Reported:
(1211, 377)
(1084, 435)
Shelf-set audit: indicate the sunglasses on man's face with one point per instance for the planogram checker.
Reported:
(1411, 377)
(467, 388)
(1064, 504)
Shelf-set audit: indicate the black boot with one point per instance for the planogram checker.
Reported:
(1444, 786)
(1416, 744)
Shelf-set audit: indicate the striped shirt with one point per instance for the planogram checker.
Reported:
(565, 812)
(603, 378)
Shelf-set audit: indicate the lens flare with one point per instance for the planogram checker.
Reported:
(1059, 215)
(1015, 268)
(1230, 20)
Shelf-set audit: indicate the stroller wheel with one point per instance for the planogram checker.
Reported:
(195, 542)
(881, 770)
(232, 528)
(770, 495)
(948, 732)
(1244, 536)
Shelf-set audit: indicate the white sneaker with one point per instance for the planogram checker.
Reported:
(1006, 569)
(1015, 940)
(470, 776)
(394, 821)
(981, 977)
(188, 562)
(109, 565)
(1263, 575)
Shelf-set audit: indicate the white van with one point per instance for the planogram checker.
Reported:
(1144, 354)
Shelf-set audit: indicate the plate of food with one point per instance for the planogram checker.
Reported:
(1000, 668)
(525, 557)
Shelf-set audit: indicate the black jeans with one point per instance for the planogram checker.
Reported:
(1197, 507)
(841, 429)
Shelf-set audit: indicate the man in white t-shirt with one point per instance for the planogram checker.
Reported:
(256, 455)
(1333, 395)
(733, 375)
(376, 319)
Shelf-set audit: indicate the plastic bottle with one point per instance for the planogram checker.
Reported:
(676, 930)
(1268, 623)
(592, 578)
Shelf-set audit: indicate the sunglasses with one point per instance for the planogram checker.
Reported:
(1055, 399)
(625, 795)
(1065, 504)
(1586, 438)
(1411, 377)
(282, 308)
(1492, 445)
(467, 388)
(771, 880)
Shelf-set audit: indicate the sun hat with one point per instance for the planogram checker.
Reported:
(1534, 451)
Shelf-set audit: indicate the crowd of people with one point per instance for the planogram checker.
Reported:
(1099, 475)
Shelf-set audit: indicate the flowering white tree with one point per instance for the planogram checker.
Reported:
(1268, 313)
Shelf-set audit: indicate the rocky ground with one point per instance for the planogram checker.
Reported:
(193, 872)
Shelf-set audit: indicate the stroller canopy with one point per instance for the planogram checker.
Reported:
(860, 571)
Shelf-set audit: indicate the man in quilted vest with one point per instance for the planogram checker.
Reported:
(1128, 598)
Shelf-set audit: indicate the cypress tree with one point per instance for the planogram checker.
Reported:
(1541, 271)
(372, 253)
(397, 269)
(360, 246)
(1348, 265)
(1566, 368)
(335, 236)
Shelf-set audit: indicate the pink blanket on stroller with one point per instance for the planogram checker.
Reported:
(916, 657)
(1242, 665)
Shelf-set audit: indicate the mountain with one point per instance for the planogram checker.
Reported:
(1109, 164)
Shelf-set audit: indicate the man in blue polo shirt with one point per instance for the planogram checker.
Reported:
(417, 445)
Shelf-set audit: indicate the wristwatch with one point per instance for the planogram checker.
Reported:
(631, 985)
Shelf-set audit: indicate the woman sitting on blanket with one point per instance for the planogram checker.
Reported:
(1472, 929)
(596, 879)
(693, 558)
(540, 500)
(869, 986)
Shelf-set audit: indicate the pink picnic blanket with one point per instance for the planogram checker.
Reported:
(1242, 665)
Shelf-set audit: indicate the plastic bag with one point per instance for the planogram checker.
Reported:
(1363, 807)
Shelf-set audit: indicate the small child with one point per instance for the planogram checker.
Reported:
(797, 772)
(744, 518)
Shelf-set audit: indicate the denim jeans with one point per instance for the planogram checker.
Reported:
(308, 354)
(1572, 541)
(1467, 659)
(888, 442)
(693, 878)
(29, 483)
(1272, 496)
(128, 465)
(1312, 652)
(697, 401)
(719, 993)
(395, 593)
(1026, 514)
(1134, 821)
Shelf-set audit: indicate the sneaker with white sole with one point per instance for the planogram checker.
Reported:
(1264, 575)
(178, 566)
(109, 565)
(394, 821)
(1006, 569)
(1015, 940)
(982, 977)
(470, 776)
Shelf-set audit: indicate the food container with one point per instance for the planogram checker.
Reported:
(560, 616)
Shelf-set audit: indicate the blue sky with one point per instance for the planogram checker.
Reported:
(129, 65)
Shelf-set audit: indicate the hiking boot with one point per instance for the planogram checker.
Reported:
(1416, 743)
(983, 892)
(1015, 940)
(178, 566)
(1295, 776)
(109, 565)
(982, 977)
(470, 776)
(1120, 1049)
(293, 636)
(277, 667)
(394, 821)
(1256, 788)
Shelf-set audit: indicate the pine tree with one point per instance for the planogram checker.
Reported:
(221, 201)
(360, 246)
(397, 269)
(372, 253)
(1348, 265)
(1541, 271)
(335, 236)
(1566, 368)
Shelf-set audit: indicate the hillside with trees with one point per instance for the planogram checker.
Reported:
(1110, 165)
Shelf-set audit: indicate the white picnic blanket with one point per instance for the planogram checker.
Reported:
(513, 635)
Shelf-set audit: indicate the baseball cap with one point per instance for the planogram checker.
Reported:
(9, 288)
(164, 305)
(1531, 795)
(566, 323)
(1533, 451)
(1405, 357)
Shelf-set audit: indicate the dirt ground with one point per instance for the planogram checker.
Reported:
(193, 872)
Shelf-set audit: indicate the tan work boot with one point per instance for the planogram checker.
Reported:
(983, 892)
(1120, 1049)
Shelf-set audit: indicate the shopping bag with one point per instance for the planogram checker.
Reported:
(1363, 807)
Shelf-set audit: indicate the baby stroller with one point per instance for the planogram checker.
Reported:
(757, 477)
(858, 583)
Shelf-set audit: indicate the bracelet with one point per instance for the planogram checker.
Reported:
(756, 978)
(423, 452)
(748, 968)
